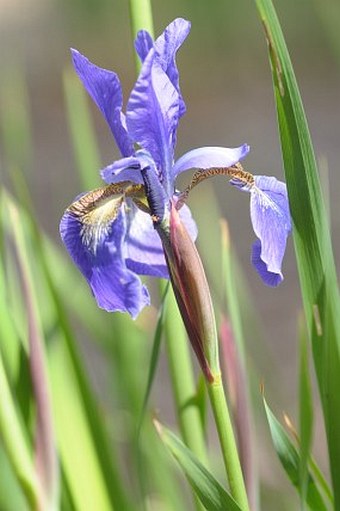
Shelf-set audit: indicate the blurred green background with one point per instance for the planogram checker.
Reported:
(226, 83)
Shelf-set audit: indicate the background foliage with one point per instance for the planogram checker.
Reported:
(52, 145)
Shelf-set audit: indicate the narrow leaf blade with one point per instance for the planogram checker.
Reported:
(290, 461)
(305, 411)
(311, 234)
(210, 492)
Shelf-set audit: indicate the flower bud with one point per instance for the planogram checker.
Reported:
(192, 293)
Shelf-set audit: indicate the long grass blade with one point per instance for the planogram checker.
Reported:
(45, 449)
(305, 412)
(78, 455)
(311, 235)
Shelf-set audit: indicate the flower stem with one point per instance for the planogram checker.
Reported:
(227, 442)
(183, 383)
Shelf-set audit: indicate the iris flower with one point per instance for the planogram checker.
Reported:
(110, 232)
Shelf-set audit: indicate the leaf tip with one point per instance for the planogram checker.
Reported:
(158, 426)
(290, 426)
(262, 387)
(274, 56)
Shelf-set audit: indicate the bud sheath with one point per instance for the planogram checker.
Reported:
(192, 293)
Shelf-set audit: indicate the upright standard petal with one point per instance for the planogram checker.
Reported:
(104, 88)
(269, 211)
(152, 116)
(93, 230)
(208, 157)
(166, 47)
(143, 44)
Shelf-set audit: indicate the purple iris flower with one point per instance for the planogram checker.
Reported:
(110, 232)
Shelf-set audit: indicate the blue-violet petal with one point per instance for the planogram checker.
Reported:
(125, 169)
(270, 278)
(145, 254)
(269, 212)
(152, 115)
(143, 44)
(208, 157)
(144, 250)
(166, 47)
(128, 169)
(104, 88)
(100, 255)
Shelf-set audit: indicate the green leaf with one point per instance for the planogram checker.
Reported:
(311, 235)
(45, 448)
(208, 489)
(10, 345)
(290, 461)
(305, 412)
(77, 450)
(11, 495)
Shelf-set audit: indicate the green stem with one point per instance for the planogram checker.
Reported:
(141, 19)
(183, 382)
(227, 441)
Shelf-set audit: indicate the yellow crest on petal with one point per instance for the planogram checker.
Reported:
(97, 210)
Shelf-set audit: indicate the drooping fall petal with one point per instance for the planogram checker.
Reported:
(93, 230)
(270, 217)
(269, 212)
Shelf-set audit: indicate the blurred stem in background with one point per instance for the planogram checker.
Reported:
(141, 19)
